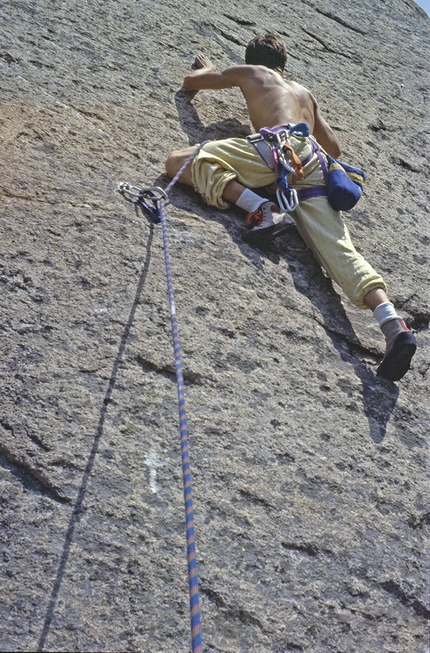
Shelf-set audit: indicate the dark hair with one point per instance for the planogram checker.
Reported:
(266, 50)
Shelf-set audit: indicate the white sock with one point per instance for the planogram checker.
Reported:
(385, 312)
(250, 201)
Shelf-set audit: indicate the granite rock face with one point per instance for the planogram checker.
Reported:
(309, 472)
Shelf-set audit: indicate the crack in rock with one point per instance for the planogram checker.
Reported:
(410, 601)
(337, 19)
(240, 21)
(190, 378)
(244, 616)
(253, 498)
(290, 648)
(8, 58)
(310, 550)
(420, 320)
(355, 348)
(407, 165)
(352, 56)
(231, 38)
(32, 479)
(34, 438)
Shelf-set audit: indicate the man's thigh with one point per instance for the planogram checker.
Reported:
(238, 155)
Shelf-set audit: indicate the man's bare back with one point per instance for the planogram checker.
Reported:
(271, 99)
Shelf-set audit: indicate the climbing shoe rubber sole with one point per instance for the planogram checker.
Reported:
(397, 361)
(260, 236)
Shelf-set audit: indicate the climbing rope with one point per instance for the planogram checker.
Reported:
(157, 213)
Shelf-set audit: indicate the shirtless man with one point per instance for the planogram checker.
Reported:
(225, 172)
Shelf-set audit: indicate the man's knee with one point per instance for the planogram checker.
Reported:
(172, 163)
(177, 158)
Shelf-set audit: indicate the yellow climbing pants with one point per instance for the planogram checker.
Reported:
(320, 226)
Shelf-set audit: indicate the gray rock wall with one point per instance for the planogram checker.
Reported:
(309, 472)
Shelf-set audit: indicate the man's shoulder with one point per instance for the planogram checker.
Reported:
(299, 88)
(241, 70)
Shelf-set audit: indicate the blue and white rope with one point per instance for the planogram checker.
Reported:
(193, 580)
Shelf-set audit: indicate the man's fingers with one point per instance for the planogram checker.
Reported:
(201, 61)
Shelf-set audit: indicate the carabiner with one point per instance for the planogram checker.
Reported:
(287, 199)
(153, 192)
(142, 195)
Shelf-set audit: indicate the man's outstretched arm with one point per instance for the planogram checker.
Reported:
(324, 134)
(206, 76)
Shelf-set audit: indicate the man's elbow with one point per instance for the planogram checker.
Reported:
(189, 83)
(336, 151)
(331, 146)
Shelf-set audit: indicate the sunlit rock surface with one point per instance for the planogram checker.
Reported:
(309, 472)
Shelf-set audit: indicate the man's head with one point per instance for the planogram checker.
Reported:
(266, 50)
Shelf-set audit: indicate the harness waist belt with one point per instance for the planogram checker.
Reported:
(308, 193)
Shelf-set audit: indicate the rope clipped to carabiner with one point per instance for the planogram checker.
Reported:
(142, 196)
(158, 197)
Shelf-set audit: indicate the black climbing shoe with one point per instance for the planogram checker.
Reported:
(397, 359)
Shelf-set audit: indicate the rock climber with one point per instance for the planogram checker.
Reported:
(227, 170)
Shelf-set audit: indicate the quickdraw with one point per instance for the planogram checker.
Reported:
(275, 149)
(156, 213)
(144, 195)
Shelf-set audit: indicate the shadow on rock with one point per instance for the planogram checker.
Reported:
(195, 129)
(77, 510)
(379, 396)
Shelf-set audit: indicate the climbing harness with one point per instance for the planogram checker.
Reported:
(343, 183)
(274, 148)
(156, 213)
